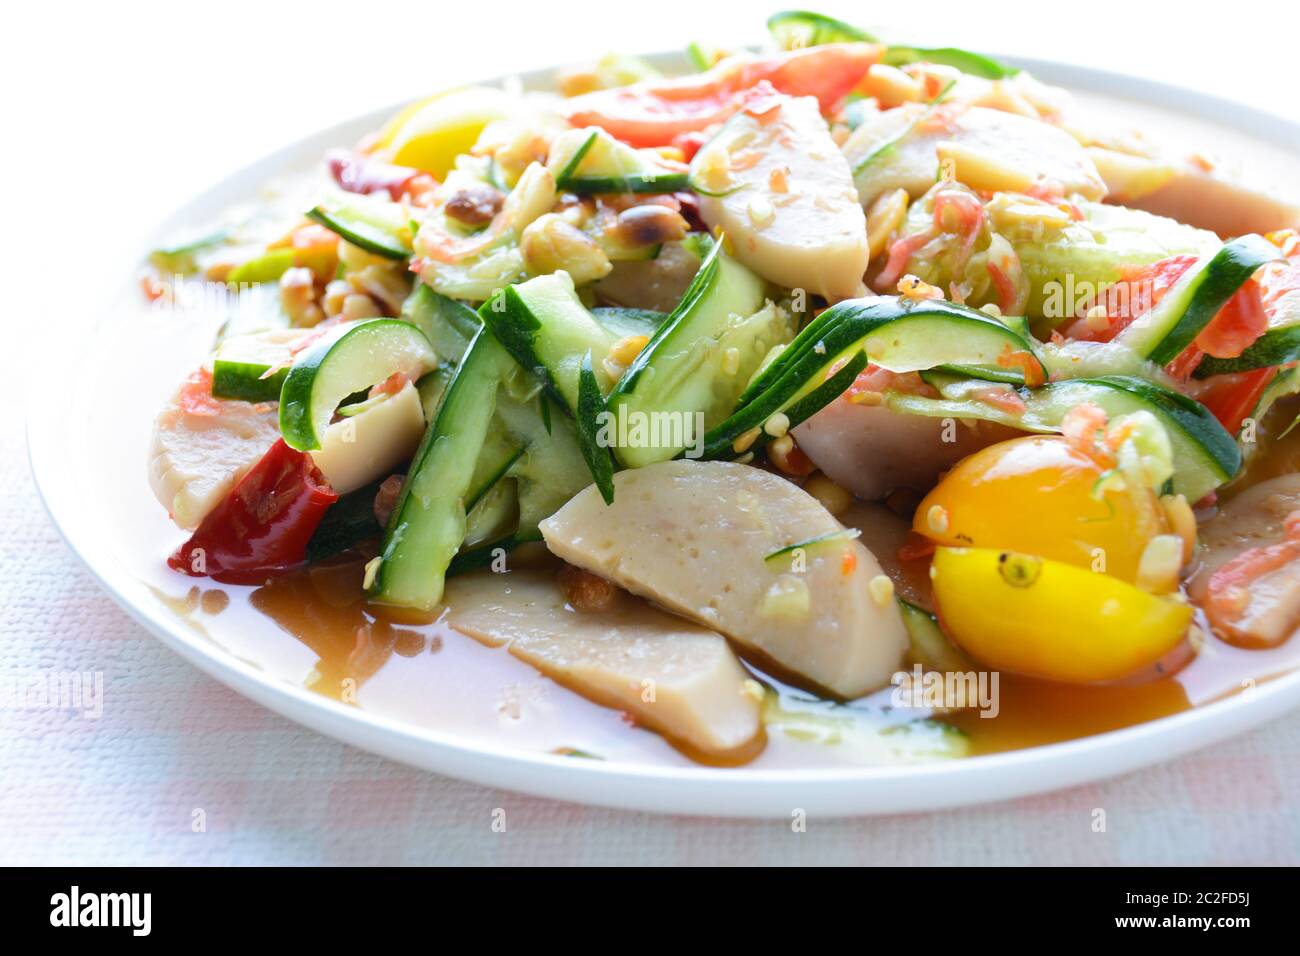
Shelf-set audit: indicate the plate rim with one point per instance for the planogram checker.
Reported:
(731, 792)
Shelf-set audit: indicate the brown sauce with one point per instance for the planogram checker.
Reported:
(313, 628)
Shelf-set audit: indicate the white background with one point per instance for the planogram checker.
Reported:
(115, 113)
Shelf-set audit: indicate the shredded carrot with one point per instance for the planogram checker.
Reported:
(1025, 361)
(391, 385)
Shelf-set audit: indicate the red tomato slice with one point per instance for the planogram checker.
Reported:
(1230, 398)
(653, 113)
(1237, 326)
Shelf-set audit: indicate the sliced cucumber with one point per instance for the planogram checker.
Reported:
(347, 523)
(246, 381)
(1068, 269)
(1205, 455)
(889, 331)
(624, 322)
(494, 516)
(928, 645)
(545, 326)
(1195, 299)
(976, 64)
(830, 537)
(798, 29)
(688, 367)
(471, 559)
(548, 331)
(592, 161)
(432, 386)
(428, 524)
(357, 356)
(551, 470)
(701, 56)
(377, 226)
(449, 325)
(591, 407)
(1280, 346)
(499, 451)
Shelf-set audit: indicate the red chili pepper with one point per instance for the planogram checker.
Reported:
(358, 173)
(263, 525)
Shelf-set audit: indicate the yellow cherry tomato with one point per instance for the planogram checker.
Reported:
(1035, 494)
(430, 134)
(1045, 618)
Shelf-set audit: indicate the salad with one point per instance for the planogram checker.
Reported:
(838, 379)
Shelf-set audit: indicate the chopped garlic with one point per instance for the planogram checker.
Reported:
(1161, 561)
(882, 589)
(788, 598)
(761, 213)
(372, 571)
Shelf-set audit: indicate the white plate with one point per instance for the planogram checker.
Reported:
(81, 500)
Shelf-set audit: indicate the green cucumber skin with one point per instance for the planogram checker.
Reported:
(495, 514)
(621, 322)
(1274, 347)
(825, 29)
(1209, 456)
(590, 407)
(422, 537)
(1210, 289)
(662, 181)
(576, 159)
(967, 61)
(511, 318)
(638, 183)
(836, 331)
(371, 240)
(699, 287)
(296, 412)
(1190, 415)
(829, 30)
(515, 327)
(721, 288)
(243, 381)
(519, 330)
(447, 323)
(490, 469)
(481, 556)
(346, 523)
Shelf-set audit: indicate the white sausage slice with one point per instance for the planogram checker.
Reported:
(695, 538)
(672, 676)
(790, 212)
